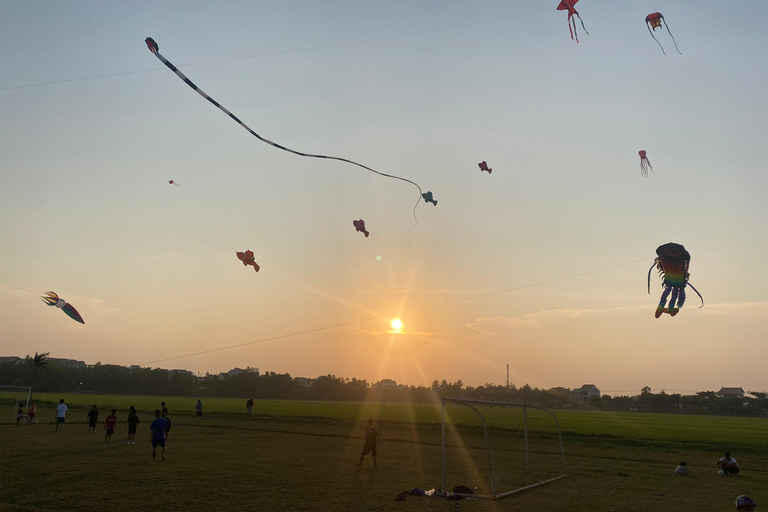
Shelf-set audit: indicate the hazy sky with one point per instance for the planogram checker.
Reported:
(426, 90)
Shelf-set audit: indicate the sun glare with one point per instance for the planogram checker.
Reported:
(396, 324)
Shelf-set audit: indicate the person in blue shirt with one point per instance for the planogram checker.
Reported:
(158, 435)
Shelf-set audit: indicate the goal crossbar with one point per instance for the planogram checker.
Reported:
(470, 403)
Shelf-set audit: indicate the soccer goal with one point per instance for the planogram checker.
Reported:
(523, 450)
(21, 394)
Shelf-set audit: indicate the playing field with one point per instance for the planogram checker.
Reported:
(303, 456)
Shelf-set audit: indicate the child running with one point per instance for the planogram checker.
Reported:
(371, 436)
(133, 422)
(109, 425)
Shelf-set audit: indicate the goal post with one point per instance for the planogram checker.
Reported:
(475, 406)
(21, 394)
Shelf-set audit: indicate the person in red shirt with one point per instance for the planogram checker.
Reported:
(109, 425)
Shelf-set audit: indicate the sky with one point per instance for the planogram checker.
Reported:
(541, 265)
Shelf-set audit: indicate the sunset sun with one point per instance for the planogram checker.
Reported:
(396, 324)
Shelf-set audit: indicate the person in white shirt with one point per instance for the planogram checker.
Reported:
(728, 465)
(61, 415)
(682, 470)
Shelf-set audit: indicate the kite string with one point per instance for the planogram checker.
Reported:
(673, 37)
(274, 144)
(657, 41)
(343, 324)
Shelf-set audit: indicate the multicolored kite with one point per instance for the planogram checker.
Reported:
(654, 20)
(645, 164)
(672, 261)
(360, 227)
(569, 5)
(248, 259)
(52, 299)
(153, 47)
(484, 167)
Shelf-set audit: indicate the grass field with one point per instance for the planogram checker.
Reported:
(302, 456)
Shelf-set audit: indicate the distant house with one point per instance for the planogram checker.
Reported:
(304, 382)
(70, 363)
(584, 393)
(238, 371)
(384, 385)
(737, 392)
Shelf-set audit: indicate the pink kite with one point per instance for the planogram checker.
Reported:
(645, 164)
(570, 6)
(174, 183)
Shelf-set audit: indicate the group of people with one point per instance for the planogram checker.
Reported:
(29, 415)
(728, 466)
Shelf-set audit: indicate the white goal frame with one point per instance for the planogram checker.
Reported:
(471, 404)
(19, 390)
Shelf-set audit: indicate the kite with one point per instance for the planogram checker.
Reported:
(484, 167)
(360, 226)
(52, 299)
(672, 261)
(654, 21)
(569, 5)
(248, 259)
(428, 198)
(174, 183)
(153, 47)
(645, 164)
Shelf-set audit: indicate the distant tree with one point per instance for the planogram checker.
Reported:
(37, 362)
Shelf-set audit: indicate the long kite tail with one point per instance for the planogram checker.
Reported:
(152, 45)
(649, 277)
(657, 41)
(582, 23)
(673, 37)
(697, 293)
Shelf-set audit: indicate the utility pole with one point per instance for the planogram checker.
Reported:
(507, 375)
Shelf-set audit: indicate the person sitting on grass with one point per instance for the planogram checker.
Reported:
(728, 465)
(371, 436)
(682, 470)
(158, 435)
(109, 425)
(745, 504)
(93, 416)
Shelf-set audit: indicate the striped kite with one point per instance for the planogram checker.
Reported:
(672, 261)
(52, 299)
(153, 47)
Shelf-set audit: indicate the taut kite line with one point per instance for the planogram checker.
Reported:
(152, 45)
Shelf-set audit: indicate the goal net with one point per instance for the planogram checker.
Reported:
(16, 396)
(499, 448)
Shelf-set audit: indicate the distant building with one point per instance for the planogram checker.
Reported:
(70, 363)
(134, 367)
(304, 382)
(10, 359)
(584, 393)
(737, 392)
(384, 385)
(238, 371)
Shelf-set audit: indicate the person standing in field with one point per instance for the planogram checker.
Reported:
(93, 416)
(249, 405)
(133, 422)
(371, 436)
(728, 465)
(199, 410)
(168, 423)
(110, 424)
(32, 411)
(157, 428)
(682, 470)
(61, 415)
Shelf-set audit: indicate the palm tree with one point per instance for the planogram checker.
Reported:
(39, 361)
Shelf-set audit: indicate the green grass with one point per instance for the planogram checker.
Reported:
(302, 456)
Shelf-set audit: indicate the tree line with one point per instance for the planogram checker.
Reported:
(45, 375)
